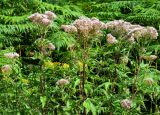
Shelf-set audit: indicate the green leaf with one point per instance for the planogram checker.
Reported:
(89, 106)
(93, 108)
(43, 100)
(77, 82)
(86, 104)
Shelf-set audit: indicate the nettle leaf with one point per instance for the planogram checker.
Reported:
(43, 100)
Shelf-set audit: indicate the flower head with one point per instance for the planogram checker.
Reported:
(43, 19)
(11, 55)
(50, 15)
(69, 28)
(153, 32)
(124, 60)
(46, 22)
(62, 82)
(86, 26)
(127, 30)
(149, 58)
(111, 39)
(126, 103)
(6, 69)
(148, 81)
(51, 46)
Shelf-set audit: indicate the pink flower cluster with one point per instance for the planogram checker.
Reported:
(126, 103)
(69, 28)
(131, 31)
(84, 26)
(43, 19)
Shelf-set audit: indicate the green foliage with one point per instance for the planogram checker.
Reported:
(114, 72)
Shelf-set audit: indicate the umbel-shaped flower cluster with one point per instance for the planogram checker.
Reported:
(130, 31)
(85, 27)
(43, 19)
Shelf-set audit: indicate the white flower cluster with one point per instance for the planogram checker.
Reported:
(43, 19)
(62, 82)
(84, 26)
(11, 55)
(131, 31)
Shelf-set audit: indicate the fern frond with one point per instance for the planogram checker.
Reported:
(18, 28)
(13, 19)
(61, 39)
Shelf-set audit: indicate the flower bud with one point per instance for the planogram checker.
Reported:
(62, 82)
(153, 57)
(46, 22)
(143, 50)
(6, 69)
(69, 28)
(149, 58)
(148, 81)
(126, 103)
(111, 39)
(153, 32)
(31, 54)
(50, 15)
(51, 46)
(124, 60)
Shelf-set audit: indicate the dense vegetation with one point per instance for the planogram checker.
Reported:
(53, 60)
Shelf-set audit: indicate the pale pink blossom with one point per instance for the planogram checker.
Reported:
(69, 28)
(46, 22)
(43, 19)
(111, 39)
(126, 29)
(11, 55)
(50, 15)
(126, 103)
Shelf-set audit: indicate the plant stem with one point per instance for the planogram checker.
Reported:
(84, 72)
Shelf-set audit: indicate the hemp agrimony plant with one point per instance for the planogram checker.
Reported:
(45, 47)
(86, 30)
